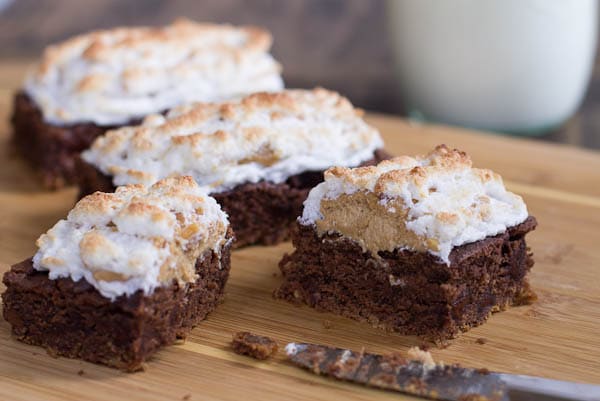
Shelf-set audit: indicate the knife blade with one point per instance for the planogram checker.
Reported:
(422, 377)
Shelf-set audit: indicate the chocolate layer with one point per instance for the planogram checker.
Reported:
(51, 149)
(409, 292)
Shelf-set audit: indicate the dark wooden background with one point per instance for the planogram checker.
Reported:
(339, 44)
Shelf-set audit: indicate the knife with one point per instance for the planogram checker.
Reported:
(418, 375)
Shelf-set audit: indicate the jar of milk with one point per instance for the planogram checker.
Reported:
(518, 66)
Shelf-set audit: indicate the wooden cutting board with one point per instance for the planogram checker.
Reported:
(557, 337)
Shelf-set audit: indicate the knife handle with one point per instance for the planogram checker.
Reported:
(525, 388)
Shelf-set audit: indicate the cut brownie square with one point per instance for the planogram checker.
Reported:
(52, 149)
(124, 275)
(426, 246)
(112, 78)
(258, 156)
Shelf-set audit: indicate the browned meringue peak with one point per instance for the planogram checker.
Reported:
(113, 76)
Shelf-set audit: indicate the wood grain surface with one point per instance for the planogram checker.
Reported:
(557, 337)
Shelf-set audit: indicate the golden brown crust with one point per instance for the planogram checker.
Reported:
(117, 76)
(402, 169)
(102, 44)
(227, 143)
(141, 237)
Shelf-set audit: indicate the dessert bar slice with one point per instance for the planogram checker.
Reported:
(428, 245)
(258, 156)
(105, 79)
(125, 274)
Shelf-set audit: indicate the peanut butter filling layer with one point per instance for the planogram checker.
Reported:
(376, 226)
(182, 265)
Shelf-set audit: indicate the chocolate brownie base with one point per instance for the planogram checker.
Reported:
(261, 213)
(253, 345)
(409, 292)
(74, 320)
(51, 149)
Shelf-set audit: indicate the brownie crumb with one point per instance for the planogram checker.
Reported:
(481, 340)
(441, 343)
(52, 352)
(424, 346)
(274, 274)
(526, 296)
(81, 372)
(258, 347)
(327, 324)
(186, 397)
(533, 312)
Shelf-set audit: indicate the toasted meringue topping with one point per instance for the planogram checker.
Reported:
(134, 239)
(113, 76)
(264, 136)
(428, 203)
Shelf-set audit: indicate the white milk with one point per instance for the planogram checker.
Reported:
(506, 65)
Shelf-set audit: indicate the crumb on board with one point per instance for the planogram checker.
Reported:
(525, 297)
(52, 353)
(441, 343)
(253, 345)
(424, 346)
(81, 372)
(327, 324)
(180, 341)
(186, 397)
(481, 340)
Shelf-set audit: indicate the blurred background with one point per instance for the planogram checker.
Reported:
(339, 44)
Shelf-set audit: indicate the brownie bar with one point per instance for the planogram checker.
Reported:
(74, 320)
(409, 292)
(51, 149)
(261, 213)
